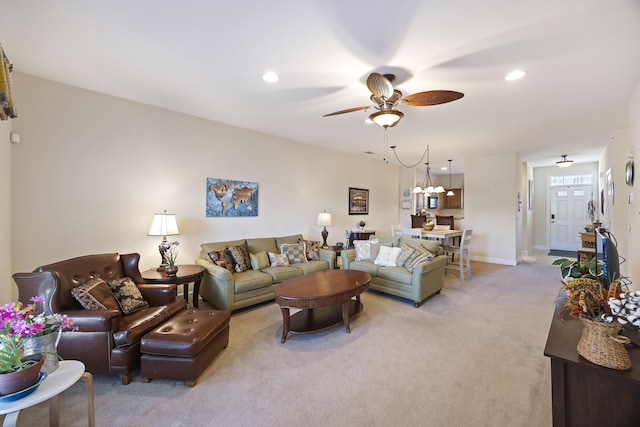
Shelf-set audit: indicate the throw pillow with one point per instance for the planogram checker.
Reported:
(223, 259)
(388, 256)
(413, 261)
(279, 260)
(432, 246)
(405, 252)
(363, 249)
(259, 260)
(127, 294)
(312, 248)
(95, 295)
(296, 252)
(240, 255)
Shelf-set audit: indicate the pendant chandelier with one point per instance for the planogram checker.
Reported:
(450, 192)
(427, 185)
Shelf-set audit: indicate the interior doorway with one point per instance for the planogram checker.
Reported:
(568, 197)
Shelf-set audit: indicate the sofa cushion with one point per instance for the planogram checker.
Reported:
(295, 252)
(222, 258)
(280, 274)
(250, 280)
(127, 294)
(134, 326)
(259, 260)
(388, 256)
(366, 266)
(267, 244)
(396, 274)
(311, 266)
(279, 260)
(240, 255)
(95, 295)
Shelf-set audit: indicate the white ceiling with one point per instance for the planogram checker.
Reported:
(206, 58)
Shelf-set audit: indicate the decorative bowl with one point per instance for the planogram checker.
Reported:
(427, 226)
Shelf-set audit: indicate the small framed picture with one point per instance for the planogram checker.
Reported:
(358, 201)
(433, 202)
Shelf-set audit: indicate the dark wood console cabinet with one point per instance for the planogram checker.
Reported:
(360, 235)
(584, 394)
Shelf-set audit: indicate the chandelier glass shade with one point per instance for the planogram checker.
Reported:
(450, 192)
(386, 118)
(564, 162)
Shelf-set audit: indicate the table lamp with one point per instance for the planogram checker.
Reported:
(324, 219)
(164, 224)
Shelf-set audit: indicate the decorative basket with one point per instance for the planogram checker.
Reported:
(601, 344)
(428, 227)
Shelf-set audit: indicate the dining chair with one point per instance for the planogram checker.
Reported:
(463, 254)
(396, 230)
(413, 233)
(442, 227)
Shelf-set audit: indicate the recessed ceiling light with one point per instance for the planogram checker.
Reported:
(270, 77)
(515, 75)
(444, 168)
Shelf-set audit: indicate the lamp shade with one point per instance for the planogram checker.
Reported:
(324, 219)
(164, 224)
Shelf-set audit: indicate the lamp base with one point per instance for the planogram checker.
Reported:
(324, 235)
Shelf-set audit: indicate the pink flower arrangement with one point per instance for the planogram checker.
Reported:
(20, 321)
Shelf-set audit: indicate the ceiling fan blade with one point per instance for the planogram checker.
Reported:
(350, 110)
(379, 85)
(432, 97)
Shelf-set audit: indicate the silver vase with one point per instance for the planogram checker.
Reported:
(47, 346)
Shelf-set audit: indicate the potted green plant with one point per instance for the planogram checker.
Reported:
(170, 257)
(571, 268)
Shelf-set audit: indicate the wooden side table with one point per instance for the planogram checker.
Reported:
(187, 273)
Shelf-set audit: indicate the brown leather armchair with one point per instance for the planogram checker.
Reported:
(107, 341)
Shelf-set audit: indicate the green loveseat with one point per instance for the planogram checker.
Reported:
(228, 290)
(426, 279)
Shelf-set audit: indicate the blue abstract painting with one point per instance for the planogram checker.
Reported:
(226, 197)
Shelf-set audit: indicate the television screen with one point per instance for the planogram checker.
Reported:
(610, 258)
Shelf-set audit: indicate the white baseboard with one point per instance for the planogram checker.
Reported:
(494, 260)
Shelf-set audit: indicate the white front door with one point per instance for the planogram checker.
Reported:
(567, 215)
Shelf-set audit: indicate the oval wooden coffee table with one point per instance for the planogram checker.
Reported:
(325, 298)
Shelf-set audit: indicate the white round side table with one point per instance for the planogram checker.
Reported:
(67, 374)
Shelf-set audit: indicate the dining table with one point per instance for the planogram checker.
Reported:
(444, 236)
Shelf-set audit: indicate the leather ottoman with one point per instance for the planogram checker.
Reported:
(183, 347)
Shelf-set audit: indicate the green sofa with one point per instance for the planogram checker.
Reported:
(426, 279)
(228, 290)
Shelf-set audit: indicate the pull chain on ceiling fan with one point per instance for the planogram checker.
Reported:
(385, 99)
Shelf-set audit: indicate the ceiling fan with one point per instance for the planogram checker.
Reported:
(385, 99)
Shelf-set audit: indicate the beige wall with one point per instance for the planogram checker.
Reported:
(5, 211)
(92, 169)
(490, 206)
(632, 266)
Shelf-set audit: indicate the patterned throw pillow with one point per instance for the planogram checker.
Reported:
(95, 295)
(259, 260)
(240, 255)
(388, 256)
(279, 260)
(363, 249)
(421, 254)
(127, 294)
(313, 249)
(222, 259)
(295, 252)
(405, 252)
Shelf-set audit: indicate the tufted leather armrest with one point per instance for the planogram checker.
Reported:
(157, 295)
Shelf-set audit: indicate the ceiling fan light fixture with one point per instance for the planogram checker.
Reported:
(387, 118)
(564, 162)
(515, 75)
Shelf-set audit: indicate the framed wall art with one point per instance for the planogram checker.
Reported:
(358, 201)
(226, 197)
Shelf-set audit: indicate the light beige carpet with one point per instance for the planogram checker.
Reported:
(471, 356)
